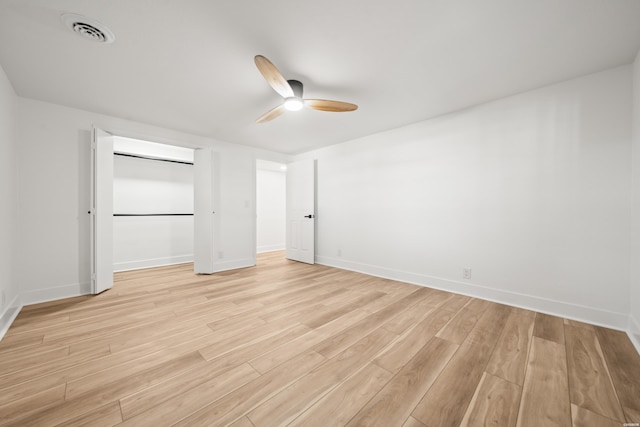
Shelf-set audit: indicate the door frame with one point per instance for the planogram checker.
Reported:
(128, 133)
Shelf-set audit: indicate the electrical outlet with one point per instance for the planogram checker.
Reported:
(220, 254)
(466, 273)
(339, 252)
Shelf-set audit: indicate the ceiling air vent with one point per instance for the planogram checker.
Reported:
(88, 28)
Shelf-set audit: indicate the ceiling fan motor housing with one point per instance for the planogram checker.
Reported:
(296, 86)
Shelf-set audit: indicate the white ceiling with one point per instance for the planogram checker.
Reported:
(188, 65)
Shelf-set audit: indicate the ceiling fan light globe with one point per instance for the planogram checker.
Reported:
(293, 104)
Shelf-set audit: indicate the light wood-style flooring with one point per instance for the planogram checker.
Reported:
(286, 343)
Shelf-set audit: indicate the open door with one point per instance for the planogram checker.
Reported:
(205, 165)
(301, 211)
(101, 211)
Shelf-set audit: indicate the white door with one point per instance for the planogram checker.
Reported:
(101, 211)
(204, 220)
(301, 211)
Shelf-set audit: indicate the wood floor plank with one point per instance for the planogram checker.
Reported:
(624, 366)
(273, 358)
(394, 358)
(106, 416)
(545, 393)
(349, 336)
(303, 303)
(287, 342)
(242, 422)
(394, 403)
(632, 414)
(316, 320)
(79, 329)
(252, 349)
(452, 302)
(438, 298)
(582, 417)
(26, 382)
(459, 326)
(152, 336)
(294, 399)
(188, 402)
(31, 323)
(146, 399)
(29, 351)
(102, 394)
(412, 422)
(578, 324)
(242, 337)
(493, 319)
(343, 402)
(410, 317)
(509, 358)
(407, 319)
(90, 349)
(448, 398)
(8, 365)
(590, 384)
(549, 327)
(239, 402)
(30, 404)
(162, 363)
(394, 296)
(54, 306)
(494, 403)
(13, 342)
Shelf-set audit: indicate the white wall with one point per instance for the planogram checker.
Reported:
(152, 149)
(531, 192)
(143, 186)
(52, 160)
(9, 289)
(634, 318)
(271, 210)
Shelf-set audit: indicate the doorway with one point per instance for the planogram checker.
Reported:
(270, 206)
(285, 208)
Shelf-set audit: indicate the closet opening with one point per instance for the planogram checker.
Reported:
(153, 204)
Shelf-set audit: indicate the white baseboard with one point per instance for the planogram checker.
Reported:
(591, 315)
(154, 262)
(52, 294)
(634, 332)
(270, 248)
(9, 315)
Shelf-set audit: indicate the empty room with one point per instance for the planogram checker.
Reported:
(303, 213)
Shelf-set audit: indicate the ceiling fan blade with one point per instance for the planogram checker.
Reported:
(271, 114)
(273, 76)
(326, 105)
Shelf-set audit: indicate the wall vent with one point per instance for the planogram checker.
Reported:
(88, 28)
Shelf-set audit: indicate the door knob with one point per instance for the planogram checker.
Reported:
(308, 216)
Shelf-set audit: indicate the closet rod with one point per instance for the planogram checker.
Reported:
(138, 156)
(158, 214)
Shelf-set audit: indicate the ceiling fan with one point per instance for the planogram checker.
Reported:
(291, 91)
